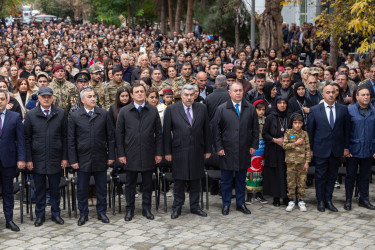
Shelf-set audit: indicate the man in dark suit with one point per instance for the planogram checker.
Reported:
(218, 96)
(236, 137)
(139, 147)
(126, 68)
(187, 148)
(12, 154)
(46, 129)
(204, 89)
(328, 127)
(91, 149)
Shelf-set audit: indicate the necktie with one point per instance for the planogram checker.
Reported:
(238, 110)
(139, 109)
(90, 113)
(189, 116)
(47, 112)
(1, 125)
(331, 119)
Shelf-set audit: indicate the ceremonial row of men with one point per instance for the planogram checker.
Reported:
(48, 142)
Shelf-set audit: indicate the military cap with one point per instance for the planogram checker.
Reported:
(82, 77)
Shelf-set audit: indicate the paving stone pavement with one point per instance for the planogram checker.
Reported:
(267, 227)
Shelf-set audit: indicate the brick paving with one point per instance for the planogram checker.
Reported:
(267, 227)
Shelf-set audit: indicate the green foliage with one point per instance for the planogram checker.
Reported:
(57, 8)
(350, 18)
(108, 12)
(9, 7)
(220, 17)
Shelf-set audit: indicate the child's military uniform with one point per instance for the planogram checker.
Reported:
(295, 158)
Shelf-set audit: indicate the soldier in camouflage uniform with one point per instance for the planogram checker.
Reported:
(96, 84)
(61, 88)
(297, 158)
(112, 87)
(74, 101)
(157, 83)
(185, 78)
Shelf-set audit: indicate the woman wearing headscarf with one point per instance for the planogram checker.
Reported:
(299, 103)
(274, 179)
(270, 92)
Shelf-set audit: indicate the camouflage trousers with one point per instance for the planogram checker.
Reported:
(296, 180)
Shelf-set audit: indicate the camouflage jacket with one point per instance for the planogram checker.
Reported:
(161, 87)
(296, 153)
(110, 93)
(177, 85)
(61, 91)
(99, 92)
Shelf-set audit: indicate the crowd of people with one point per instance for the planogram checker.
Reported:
(90, 96)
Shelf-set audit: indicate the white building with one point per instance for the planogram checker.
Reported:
(304, 11)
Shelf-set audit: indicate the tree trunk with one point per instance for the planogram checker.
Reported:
(189, 17)
(129, 17)
(171, 26)
(178, 16)
(269, 23)
(236, 35)
(334, 48)
(162, 17)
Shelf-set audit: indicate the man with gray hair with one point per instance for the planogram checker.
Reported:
(187, 149)
(126, 68)
(143, 63)
(285, 89)
(91, 148)
(218, 96)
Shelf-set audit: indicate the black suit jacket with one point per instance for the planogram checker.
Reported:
(323, 139)
(188, 143)
(213, 101)
(12, 140)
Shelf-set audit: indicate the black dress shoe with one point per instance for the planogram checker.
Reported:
(58, 220)
(243, 209)
(129, 215)
(199, 212)
(225, 210)
(12, 226)
(103, 218)
(348, 204)
(175, 214)
(329, 205)
(147, 214)
(366, 204)
(321, 207)
(82, 220)
(39, 221)
(276, 202)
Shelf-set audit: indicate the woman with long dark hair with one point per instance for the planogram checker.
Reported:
(122, 99)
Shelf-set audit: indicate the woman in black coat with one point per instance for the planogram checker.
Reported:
(299, 103)
(122, 99)
(274, 180)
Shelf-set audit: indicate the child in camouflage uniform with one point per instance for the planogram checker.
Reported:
(297, 158)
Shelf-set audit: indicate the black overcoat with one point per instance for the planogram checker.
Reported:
(46, 139)
(139, 137)
(236, 135)
(188, 144)
(91, 140)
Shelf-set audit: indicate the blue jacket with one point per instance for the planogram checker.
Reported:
(127, 74)
(323, 139)
(362, 131)
(12, 140)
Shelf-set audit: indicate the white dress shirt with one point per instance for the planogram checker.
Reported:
(328, 110)
(49, 110)
(136, 105)
(239, 106)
